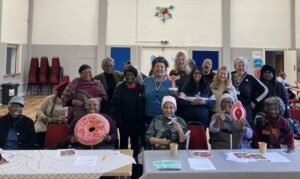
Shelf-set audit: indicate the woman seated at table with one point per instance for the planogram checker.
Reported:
(93, 106)
(167, 128)
(272, 127)
(223, 124)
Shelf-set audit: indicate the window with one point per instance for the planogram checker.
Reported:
(13, 60)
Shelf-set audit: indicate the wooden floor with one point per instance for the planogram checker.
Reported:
(33, 102)
(31, 105)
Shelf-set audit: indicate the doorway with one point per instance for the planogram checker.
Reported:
(275, 59)
(283, 60)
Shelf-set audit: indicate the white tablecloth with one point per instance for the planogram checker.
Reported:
(47, 164)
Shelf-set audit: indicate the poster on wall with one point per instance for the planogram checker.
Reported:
(257, 57)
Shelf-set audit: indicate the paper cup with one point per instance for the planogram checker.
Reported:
(283, 147)
(262, 147)
(173, 148)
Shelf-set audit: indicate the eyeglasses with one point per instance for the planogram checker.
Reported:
(227, 102)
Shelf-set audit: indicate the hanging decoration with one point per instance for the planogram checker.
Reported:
(164, 13)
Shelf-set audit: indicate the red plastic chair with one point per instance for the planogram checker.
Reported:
(295, 114)
(33, 73)
(198, 138)
(56, 133)
(44, 73)
(293, 103)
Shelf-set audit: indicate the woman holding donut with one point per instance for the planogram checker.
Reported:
(93, 106)
(80, 90)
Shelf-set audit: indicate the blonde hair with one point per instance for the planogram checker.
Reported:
(186, 67)
(216, 82)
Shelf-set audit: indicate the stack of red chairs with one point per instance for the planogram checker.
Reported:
(33, 73)
(44, 74)
(55, 72)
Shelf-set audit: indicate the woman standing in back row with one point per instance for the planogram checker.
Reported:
(181, 68)
(250, 91)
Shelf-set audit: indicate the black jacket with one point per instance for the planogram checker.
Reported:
(275, 88)
(24, 129)
(116, 106)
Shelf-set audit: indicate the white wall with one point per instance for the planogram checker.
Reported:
(260, 23)
(65, 22)
(121, 22)
(194, 23)
(297, 20)
(14, 21)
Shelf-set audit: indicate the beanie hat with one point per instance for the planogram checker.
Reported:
(170, 99)
(17, 100)
(227, 95)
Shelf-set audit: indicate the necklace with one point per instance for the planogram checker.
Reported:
(274, 129)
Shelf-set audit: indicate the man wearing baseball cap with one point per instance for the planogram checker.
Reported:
(16, 130)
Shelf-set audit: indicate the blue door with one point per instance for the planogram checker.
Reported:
(121, 55)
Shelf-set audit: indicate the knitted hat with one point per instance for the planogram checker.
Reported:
(227, 95)
(18, 100)
(170, 99)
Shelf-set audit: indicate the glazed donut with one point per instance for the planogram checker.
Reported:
(91, 129)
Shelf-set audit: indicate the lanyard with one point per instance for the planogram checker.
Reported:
(157, 87)
(237, 84)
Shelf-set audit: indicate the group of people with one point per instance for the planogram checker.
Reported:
(153, 116)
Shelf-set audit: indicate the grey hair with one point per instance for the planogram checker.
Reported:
(107, 59)
(97, 101)
(274, 101)
(244, 60)
(207, 60)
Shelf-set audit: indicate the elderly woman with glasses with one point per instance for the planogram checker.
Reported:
(272, 127)
(93, 106)
(223, 125)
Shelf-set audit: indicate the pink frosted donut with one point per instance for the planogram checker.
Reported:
(91, 129)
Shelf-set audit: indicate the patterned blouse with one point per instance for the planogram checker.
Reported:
(160, 128)
(273, 133)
